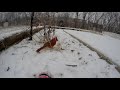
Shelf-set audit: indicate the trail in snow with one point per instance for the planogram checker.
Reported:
(105, 44)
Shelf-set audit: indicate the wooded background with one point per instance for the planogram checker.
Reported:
(99, 21)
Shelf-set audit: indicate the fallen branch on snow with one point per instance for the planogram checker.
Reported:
(71, 65)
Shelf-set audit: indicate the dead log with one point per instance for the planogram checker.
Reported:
(16, 38)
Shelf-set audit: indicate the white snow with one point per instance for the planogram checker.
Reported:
(107, 45)
(24, 62)
(114, 35)
(6, 32)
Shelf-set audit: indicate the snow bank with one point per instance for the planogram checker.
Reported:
(107, 45)
(114, 35)
(6, 32)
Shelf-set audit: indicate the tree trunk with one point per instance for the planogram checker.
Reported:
(32, 15)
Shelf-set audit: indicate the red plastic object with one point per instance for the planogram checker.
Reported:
(44, 76)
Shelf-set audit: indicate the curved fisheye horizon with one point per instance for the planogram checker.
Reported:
(59, 44)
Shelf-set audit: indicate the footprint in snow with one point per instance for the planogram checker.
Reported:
(8, 68)
(78, 53)
(59, 74)
(72, 50)
(90, 54)
(80, 58)
(13, 53)
(73, 42)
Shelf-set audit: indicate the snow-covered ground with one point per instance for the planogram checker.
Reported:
(6, 32)
(22, 61)
(107, 45)
(114, 35)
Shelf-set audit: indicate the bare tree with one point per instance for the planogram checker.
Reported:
(84, 14)
(76, 19)
(98, 16)
(32, 15)
(66, 16)
(89, 20)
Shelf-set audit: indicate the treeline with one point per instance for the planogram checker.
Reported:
(15, 18)
(99, 21)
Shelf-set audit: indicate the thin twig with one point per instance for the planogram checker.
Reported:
(71, 65)
(24, 54)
